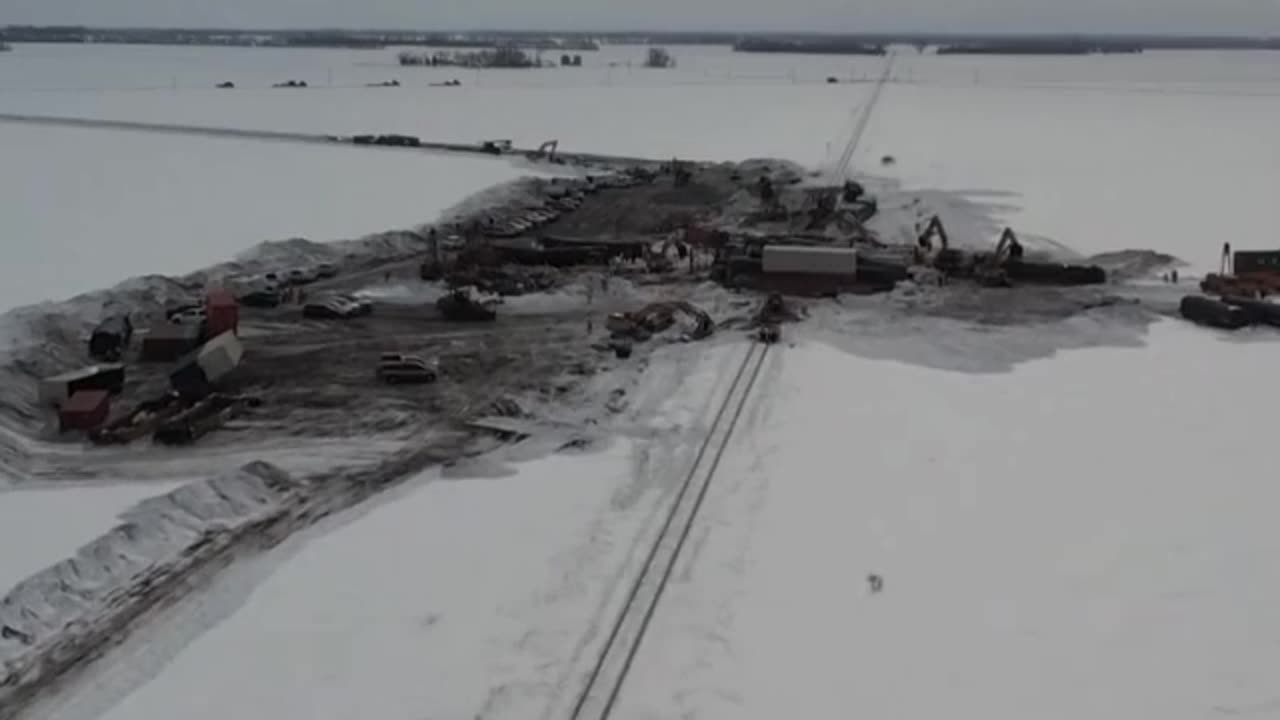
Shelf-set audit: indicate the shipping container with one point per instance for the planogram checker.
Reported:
(198, 373)
(85, 410)
(110, 339)
(810, 259)
(55, 390)
(223, 313)
(169, 342)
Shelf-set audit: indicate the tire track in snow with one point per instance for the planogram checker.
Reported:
(600, 694)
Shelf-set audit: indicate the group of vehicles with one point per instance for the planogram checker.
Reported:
(268, 289)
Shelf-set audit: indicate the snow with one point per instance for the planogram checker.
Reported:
(1082, 535)
(29, 542)
(1096, 170)
(54, 617)
(1088, 536)
(482, 591)
(87, 208)
(1101, 153)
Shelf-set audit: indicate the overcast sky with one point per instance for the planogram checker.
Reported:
(1164, 16)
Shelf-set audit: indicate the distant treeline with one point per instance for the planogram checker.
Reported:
(856, 43)
(1031, 47)
(506, 57)
(823, 46)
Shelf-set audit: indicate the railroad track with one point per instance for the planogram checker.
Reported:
(426, 146)
(599, 696)
(841, 169)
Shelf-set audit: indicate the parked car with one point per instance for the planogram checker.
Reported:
(326, 270)
(336, 307)
(364, 306)
(394, 368)
(301, 276)
(190, 316)
(261, 298)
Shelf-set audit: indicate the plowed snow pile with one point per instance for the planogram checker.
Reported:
(29, 542)
(58, 615)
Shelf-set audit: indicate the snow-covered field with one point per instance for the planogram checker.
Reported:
(39, 527)
(85, 209)
(476, 592)
(1083, 536)
(1088, 536)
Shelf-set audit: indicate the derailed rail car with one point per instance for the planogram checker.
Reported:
(1214, 313)
(198, 373)
(110, 339)
(57, 389)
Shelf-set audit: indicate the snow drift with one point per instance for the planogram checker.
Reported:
(53, 619)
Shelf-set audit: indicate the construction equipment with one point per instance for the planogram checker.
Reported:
(547, 150)
(932, 230)
(459, 306)
(659, 317)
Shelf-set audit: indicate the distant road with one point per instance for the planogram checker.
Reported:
(297, 137)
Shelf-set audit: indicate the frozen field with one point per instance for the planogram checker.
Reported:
(85, 209)
(1089, 536)
(504, 580)
(40, 527)
(1164, 150)
(1084, 536)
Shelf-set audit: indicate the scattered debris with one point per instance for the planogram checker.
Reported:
(201, 418)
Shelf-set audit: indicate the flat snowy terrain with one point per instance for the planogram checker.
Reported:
(85, 209)
(1088, 536)
(450, 597)
(39, 527)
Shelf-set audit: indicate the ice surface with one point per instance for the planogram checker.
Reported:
(29, 541)
(1088, 536)
(85, 209)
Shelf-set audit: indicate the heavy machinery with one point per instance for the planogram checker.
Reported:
(459, 306)
(659, 317)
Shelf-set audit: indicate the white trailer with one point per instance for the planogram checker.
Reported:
(810, 260)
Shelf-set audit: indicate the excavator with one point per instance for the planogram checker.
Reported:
(658, 317)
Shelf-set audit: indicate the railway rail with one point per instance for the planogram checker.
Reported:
(599, 696)
(311, 138)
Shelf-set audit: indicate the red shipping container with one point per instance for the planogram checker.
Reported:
(85, 410)
(222, 311)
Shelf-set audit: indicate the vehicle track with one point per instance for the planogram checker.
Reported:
(599, 695)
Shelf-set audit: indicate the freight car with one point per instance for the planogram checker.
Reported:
(57, 389)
